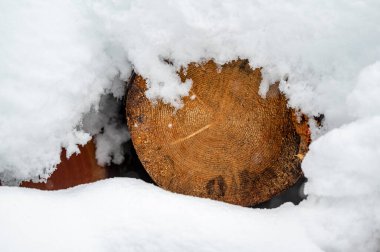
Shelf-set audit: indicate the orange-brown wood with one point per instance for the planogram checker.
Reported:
(77, 170)
(227, 142)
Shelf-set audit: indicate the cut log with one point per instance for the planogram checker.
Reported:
(227, 143)
(77, 170)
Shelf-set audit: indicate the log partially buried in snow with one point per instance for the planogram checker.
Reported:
(227, 142)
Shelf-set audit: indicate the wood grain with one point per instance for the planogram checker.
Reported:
(227, 142)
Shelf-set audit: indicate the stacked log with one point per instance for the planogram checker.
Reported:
(77, 170)
(227, 142)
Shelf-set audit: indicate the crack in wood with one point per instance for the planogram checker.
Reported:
(191, 135)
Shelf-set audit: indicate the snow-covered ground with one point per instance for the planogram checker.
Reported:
(57, 59)
(130, 215)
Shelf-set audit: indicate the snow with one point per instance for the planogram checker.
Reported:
(61, 62)
(363, 100)
(356, 162)
(52, 70)
(130, 215)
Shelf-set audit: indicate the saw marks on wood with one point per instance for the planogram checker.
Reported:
(191, 135)
(227, 142)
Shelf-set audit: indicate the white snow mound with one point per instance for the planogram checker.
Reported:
(58, 58)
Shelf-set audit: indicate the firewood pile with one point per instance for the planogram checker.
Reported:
(226, 143)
